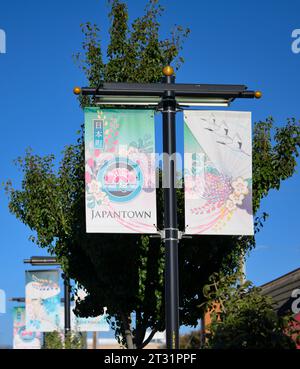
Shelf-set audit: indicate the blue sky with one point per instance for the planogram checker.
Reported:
(230, 42)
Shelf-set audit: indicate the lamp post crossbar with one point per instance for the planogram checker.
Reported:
(180, 89)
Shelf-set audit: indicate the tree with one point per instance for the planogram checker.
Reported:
(135, 54)
(245, 319)
(125, 273)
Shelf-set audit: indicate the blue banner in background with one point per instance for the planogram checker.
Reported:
(42, 301)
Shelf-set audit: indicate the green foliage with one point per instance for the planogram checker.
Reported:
(242, 318)
(135, 53)
(274, 156)
(125, 273)
(191, 340)
(55, 340)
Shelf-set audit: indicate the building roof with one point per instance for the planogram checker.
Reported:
(280, 289)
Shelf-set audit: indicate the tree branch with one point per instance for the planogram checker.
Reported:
(145, 343)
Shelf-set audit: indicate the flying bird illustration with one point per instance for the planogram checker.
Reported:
(211, 124)
(237, 142)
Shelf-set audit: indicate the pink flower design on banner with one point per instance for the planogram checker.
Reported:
(91, 163)
(88, 177)
(97, 153)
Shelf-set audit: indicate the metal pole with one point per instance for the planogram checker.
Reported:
(170, 217)
(95, 338)
(67, 304)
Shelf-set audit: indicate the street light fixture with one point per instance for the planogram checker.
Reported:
(41, 260)
(150, 94)
(22, 299)
(168, 97)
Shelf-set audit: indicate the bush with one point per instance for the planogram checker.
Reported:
(56, 340)
(247, 320)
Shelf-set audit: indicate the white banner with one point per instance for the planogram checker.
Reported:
(42, 295)
(218, 173)
(120, 171)
(22, 338)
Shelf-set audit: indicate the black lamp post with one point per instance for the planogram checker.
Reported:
(168, 97)
(171, 238)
